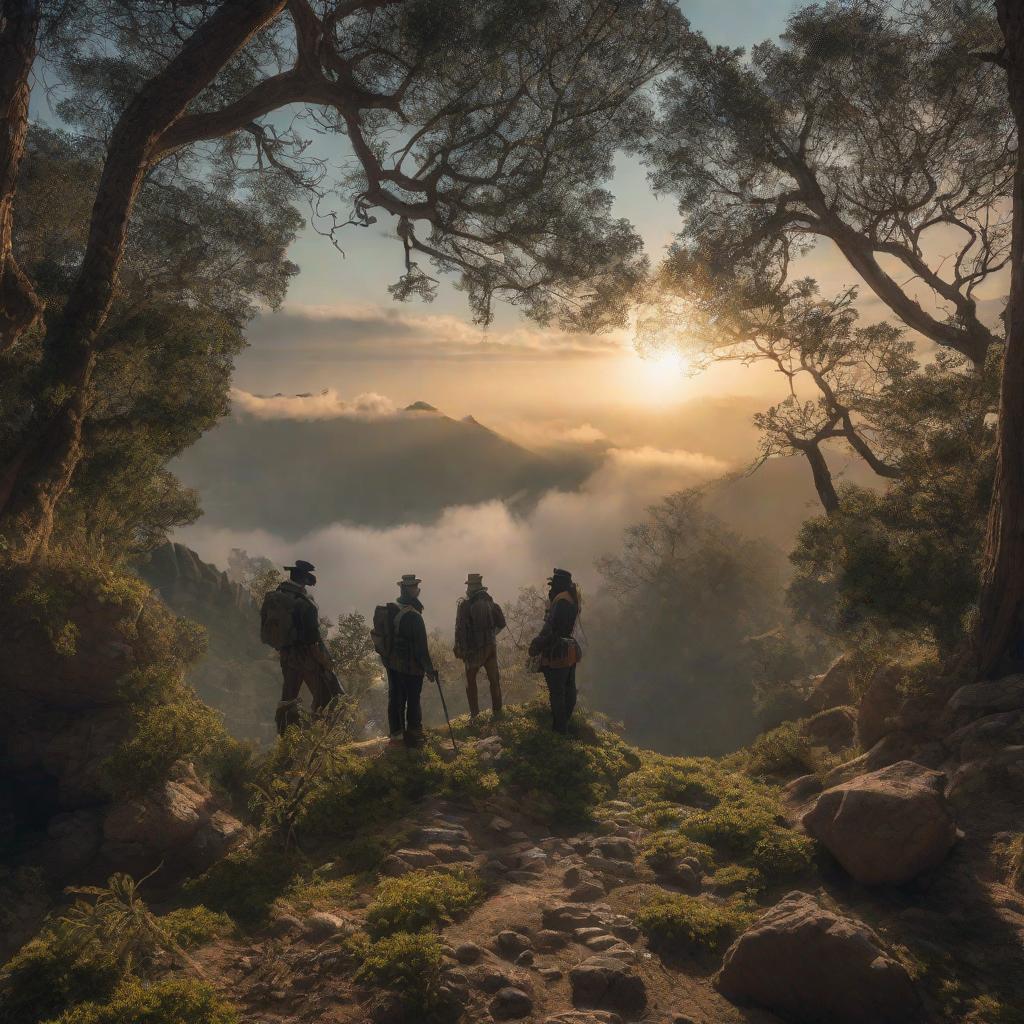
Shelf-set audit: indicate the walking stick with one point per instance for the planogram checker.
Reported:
(444, 704)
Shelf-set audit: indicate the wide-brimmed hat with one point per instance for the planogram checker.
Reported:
(410, 579)
(560, 576)
(475, 581)
(301, 565)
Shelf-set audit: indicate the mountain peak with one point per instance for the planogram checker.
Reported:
(421, 407)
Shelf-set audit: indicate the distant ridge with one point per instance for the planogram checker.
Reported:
(420, 407)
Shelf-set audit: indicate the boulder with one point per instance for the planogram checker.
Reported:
(616, 848)
(511, 1004)
(880, 705)
(987, 735)
(468, 953)
(809, 965)
(512, 943)
(887, 826)
(978, 699)
(606, 983)
(833, 689)
(587, 891)
(835, 729)
(566, 917)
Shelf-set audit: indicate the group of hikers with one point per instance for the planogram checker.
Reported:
(290, 622)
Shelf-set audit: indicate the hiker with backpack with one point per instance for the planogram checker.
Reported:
(478, 620)
(290, 623)
(400, 638)
(556, 650)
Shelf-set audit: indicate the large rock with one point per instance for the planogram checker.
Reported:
(835, 729)
(178, 819)
(833, 689)
(606, 983)
(887, 826)
(812, 965)
(879, 707)
(1006, 694)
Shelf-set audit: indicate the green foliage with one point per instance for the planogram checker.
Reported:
(782, 751)
(408, 966)
(320, 893)
(421, 899)
(53, 972)
(245, 884)
(737, 878)
(1015, 863)
(781, 853)
(194, 926)
(661, 848)
(677, 924)
(166, 1002)
(184, 728)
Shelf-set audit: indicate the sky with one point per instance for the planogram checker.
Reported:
(340, 331)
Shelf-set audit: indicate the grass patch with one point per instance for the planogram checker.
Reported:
(316, 893)
(735, 878)
(1015, 863)
(677, 924)
(783, 751)
(661, 848)
(420, 900)
(166, 1002)
(195, 926)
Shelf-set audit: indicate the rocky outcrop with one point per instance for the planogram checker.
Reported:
(834, 688)
(238, 675)
(834, 729)
(810, 965)
(887, 826)
(606, 983)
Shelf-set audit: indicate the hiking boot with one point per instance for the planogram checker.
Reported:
(414, 738)
(396, 739)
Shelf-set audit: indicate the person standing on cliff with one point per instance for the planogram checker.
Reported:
(478, 620)
(557, 650)
(290, 623)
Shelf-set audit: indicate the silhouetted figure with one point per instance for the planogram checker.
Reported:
(290, 623)
(400, 638)
(557, 649)
(478, 621)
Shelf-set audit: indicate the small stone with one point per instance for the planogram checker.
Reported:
(443, 836)
(451, 854)
(600, 943)
(582, 934)
(547, 941)
(394, 867)
(525, 959)
(522, 877)
(573, 876)
(566, 917)
(587, 891)
(490, 979)
(284, 924)
(511, 1004)
(499, 824)
(605, 982)
(468, 953)
(628, 931)
(418, 858)
(512, 943)
(321, 925)
(550, 973)
(615, 848)
(607, 866)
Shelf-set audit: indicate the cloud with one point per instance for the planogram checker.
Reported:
(585, 433)
(382, 334)
(357, 566)
(326, 405)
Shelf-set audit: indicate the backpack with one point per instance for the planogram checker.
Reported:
(277, 620)
(384, 634)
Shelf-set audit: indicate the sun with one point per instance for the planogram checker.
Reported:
(670, 362)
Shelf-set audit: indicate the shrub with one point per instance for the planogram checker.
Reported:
(193, 926)
(419, 900)
(661, 848)
(686, 924)
(737, 878)
(1015, 863)
(181, 728)
(52, 972)
(166, 1002)
(320, 893)
(409, 967)
(782, 853)
(244, 884)
(782, 751)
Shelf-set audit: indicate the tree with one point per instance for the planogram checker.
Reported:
(839, 376)
(1001, 604)
(873, 126)
(484, 129)
(196, 263)
(669, 629)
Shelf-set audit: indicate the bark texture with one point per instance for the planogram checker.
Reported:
(1002, 583)
(20, 307)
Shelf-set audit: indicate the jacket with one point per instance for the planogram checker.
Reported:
(478, 621)
(412, 653)
(305, 615)
(559, 623)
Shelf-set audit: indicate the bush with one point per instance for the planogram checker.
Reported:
(1015, 863)
(419, 900)
(409, 967)
(53, 972)
(244, 884)
(194, 926)
(320, 893)
(183, 727)
(737, 878)
(782, 853)
(167, 1002)
(782, 751)
(686, 924)
(661, 848)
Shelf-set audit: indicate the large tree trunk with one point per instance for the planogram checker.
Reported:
(1002, 582)
(19, 28)
(823, 482)
(33, 483)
